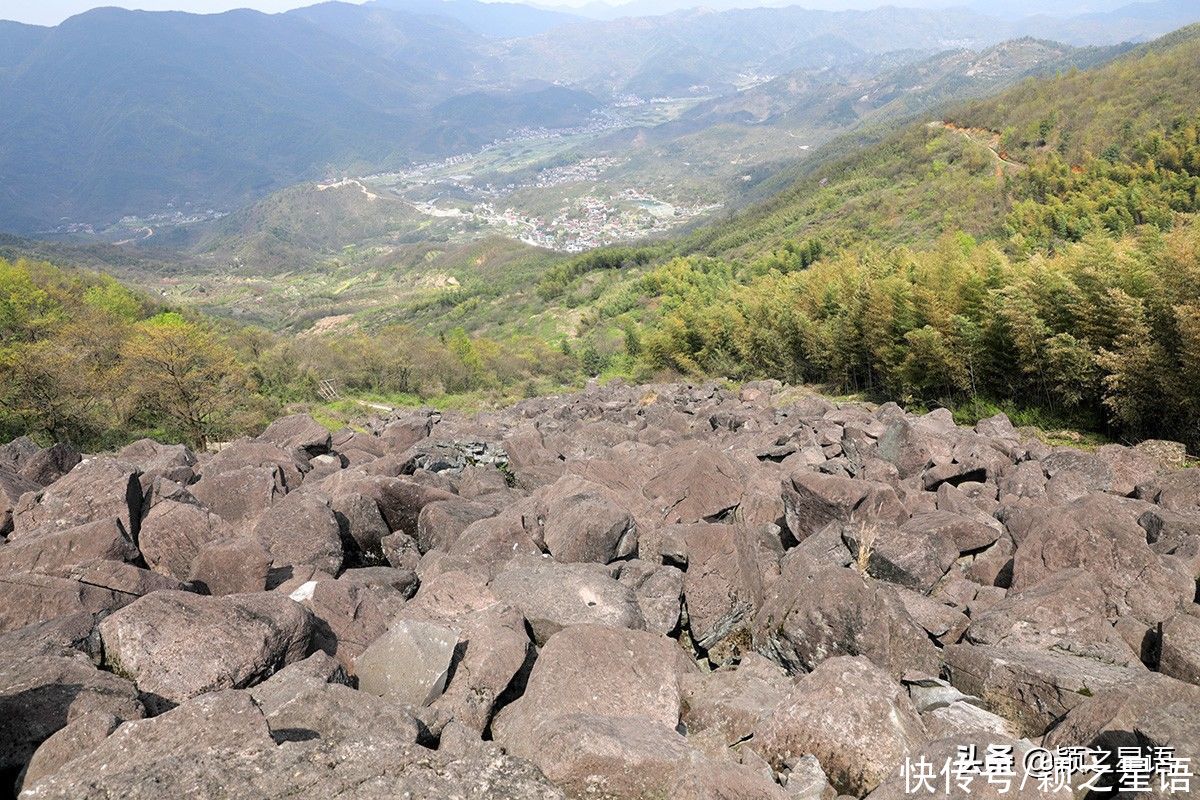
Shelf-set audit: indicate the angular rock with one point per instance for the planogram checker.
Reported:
(730, 702)
(852, 716)
(553, 596)
(597, 670)
(12, 486)
(174, 532)
(696, 486)
(172, 462)
(580, 521)
(347, 617)
(812, 500)
(42, 693)
(914, 556)
(441, 523)
(46, 466)
(971, 530)
(1100, 534)
(177, 645)
(231, 566)
(1179, 656)
(409, 664)
(98, 488)
(221, 745)
(1158, 712)
(813, 613)
(658, 589)
(79, 736)
(58, 552)
(239, 495)
(301, 529)
(1065, 613)
(1028, 686)
(299, 433)
(728, 568)
(29, 598)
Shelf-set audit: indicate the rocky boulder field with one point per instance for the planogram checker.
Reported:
(662, 591)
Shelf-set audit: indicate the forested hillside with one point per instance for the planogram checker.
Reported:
(942, 268)
(85, 360)
(1007, 254)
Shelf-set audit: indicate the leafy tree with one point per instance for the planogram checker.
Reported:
(180, 370)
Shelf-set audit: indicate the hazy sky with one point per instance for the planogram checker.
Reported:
(52, 12)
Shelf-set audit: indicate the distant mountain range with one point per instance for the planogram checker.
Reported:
(118, 112)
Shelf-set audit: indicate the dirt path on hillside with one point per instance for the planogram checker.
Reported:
(987, 138)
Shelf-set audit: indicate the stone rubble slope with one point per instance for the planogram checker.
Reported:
(663, 591)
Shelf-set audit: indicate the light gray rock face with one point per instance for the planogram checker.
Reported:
(658, 589)
(347, 616)
(409, 663)
(176, 645)
(493, 653)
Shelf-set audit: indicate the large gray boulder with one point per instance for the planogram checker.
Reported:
(1179, 654)
(728, 568)
(301, 529)
(1099, 533)
(1032, 686)
(594, 669)
(1156, 712)
(730, 702)
(577, 520)
(42, 692)
(1065, 612)
(175, 530)
(409, 663)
